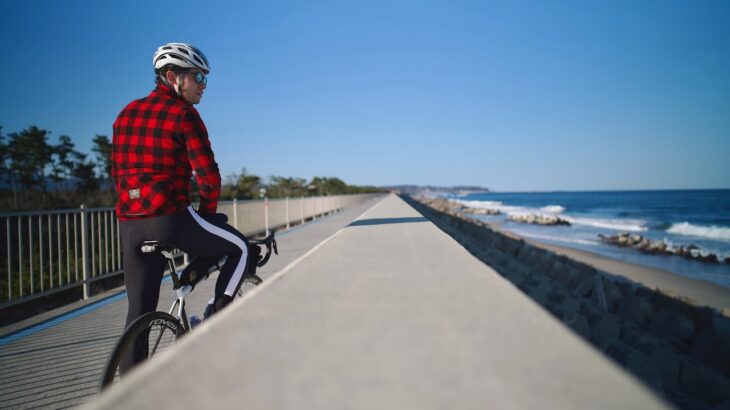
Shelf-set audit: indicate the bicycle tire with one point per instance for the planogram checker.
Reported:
(162, 330)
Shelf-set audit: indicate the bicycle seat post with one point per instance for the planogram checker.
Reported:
(166, 251)
(173, 273)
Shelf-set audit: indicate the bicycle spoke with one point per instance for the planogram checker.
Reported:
(157, 342)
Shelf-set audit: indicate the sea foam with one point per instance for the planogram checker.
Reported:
(711, 232)
(562, 239)
(553, 209)
(481, 204)
(500, 206)
(616, 224)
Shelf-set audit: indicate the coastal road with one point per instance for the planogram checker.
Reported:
(388, 312)
(55, 360)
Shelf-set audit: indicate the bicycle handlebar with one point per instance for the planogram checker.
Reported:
(270, 243)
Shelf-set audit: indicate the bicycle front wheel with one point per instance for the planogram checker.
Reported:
(147, 336)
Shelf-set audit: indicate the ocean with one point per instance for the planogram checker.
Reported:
(680, 218)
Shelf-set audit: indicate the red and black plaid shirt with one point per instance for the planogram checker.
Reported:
(158, 141)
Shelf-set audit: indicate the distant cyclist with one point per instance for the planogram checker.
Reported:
(158, 142)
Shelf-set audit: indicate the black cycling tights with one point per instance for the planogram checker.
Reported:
(192, 234)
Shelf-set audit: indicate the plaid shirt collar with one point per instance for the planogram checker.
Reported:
(163, 88)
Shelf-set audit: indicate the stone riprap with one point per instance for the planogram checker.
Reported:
(482, 211)
(460, 208)
(537, 219)
(676, 346)
(646, 245)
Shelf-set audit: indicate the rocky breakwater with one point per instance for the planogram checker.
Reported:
(679, 348)
(481, 211)
(646, 245)
(546, 220)
(457, 208)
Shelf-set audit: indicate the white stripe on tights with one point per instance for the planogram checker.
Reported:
(238, 272)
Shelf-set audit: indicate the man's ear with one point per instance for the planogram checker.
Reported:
(171, 77)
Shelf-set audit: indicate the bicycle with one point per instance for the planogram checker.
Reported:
(160, 330)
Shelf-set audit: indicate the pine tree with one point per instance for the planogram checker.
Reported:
(248, 186)
(103, 149)
(64, 161)
(84, 172)
(29, 155)
(4, 170)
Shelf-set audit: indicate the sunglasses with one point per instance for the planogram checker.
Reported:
(199, 77)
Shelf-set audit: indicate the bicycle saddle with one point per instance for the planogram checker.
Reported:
(156, 246)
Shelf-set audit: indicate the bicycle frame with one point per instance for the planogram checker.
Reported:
(181, 291)
(180, 304)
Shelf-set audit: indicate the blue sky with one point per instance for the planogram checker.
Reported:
(515, 96)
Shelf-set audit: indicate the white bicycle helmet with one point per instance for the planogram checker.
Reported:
(181, 55)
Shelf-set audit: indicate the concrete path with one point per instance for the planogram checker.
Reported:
(390, 312)
(56, 361)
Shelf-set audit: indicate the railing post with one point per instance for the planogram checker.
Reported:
(84, 252)
(20, 256)
(10, 261)
(287, 212)
(301, 203)
(235, 213)
(266, 214)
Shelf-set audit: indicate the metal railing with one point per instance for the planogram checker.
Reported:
(46, 252)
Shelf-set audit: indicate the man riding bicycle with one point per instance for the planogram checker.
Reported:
(158, 142)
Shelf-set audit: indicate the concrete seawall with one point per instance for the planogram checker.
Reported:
(679, 348)
(389, 312)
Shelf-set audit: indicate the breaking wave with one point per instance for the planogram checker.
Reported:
(710, 232)
(481, 204)
(553, 209)
(615, 224)
(631, 225)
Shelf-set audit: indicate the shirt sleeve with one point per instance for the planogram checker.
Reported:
(202, 161)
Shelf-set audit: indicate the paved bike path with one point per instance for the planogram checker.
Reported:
(58, 363)
(390, 312)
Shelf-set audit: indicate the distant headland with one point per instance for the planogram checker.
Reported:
(429, 190)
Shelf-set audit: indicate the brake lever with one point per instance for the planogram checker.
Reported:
(270, 243)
